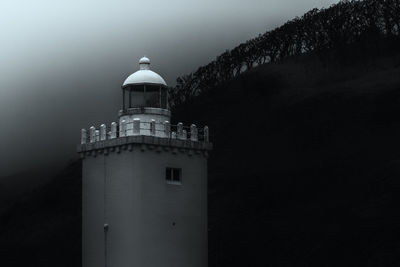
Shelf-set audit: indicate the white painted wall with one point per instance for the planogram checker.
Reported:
(140, 208)
(92, 211)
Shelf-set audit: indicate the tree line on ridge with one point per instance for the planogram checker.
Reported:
(346, 22)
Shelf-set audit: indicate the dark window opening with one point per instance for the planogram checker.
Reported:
(168, 175)
(173, 175)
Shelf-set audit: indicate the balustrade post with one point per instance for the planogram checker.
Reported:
(113, 130)
(206, 134)
(92, 134)
(167, 129)
(97, 135)
(193, 132)
(83, 136)
(103, 133)
(179, 130)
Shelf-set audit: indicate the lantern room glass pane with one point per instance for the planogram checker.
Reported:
(152, 96)
(137, 96)
(164, 98)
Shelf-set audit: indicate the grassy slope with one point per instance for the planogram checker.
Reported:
(304, 171)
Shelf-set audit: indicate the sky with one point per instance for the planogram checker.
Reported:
(62, 62)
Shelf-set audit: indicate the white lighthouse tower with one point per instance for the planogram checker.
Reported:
(144, 201)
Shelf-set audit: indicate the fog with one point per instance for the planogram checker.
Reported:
(63, 62)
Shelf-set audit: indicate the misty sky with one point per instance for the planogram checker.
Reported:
(63, 62)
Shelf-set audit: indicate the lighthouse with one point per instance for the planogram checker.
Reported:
(144, 183)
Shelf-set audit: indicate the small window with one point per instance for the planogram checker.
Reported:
(173, 175)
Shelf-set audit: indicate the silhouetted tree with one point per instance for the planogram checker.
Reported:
(344, 23)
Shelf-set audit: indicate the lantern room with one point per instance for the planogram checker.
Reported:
(144, 88)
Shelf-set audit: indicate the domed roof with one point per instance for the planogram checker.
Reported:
(144, 75)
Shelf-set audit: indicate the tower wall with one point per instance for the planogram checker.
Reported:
(151, 223)
(93, 211)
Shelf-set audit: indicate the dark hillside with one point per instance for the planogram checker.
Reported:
(12, 187)
(306, 165)
(43, 228)
(336, 28)
(305, 170)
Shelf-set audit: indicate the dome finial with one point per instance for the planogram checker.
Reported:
(144, 63)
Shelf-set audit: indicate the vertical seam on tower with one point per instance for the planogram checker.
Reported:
(104, 208)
